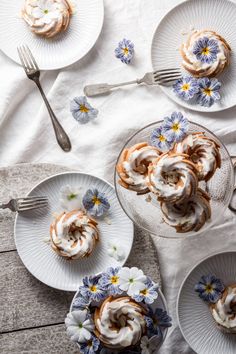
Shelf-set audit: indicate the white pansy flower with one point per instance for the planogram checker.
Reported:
(70, 198)
(149, 345)
(46, 11)
(79, 326)
(116, 252)
(132, 280)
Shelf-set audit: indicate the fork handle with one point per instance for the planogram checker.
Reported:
(4, 206)
(61, 136)
(98, 89)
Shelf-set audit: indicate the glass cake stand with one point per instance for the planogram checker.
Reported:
(144, 210)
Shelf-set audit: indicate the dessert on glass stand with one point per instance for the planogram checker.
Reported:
(174, 177)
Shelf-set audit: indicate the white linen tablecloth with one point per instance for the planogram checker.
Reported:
(26, 133)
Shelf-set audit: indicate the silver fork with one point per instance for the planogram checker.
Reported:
(24, 204)
(32, 71)
(158, 77)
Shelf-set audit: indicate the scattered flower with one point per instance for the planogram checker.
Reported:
(132, 280)
(186, 87)
(110, 281)
(208, 91)
(160, 139)
(46, 11)
(116, 252)
(176, 126)
(156, 320)
(82, 111)
(91, 289)
(90, 346)
(81, 302)
(95, 202)
(149, 345)
(79, 325)
(125, 51)
(70, 198)
(148, 294)
(206, 50)
(209, 288)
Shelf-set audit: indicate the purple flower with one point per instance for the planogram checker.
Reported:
(157, 320)
(91, 346)
(175, 126)
(95, 202)
(125, 51)
(91, 289)
(209, 288)
(208, 91)
(148, 294)
(110, 281)
(186, 87)
(206, 50)
(82, 111)
(160, 139)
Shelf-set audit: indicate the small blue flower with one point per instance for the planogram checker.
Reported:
(175, 126)
(95, 202)
(148, 294)
(125, 51)
(109, 281)
(160, 139)
(81, 302)
(82, 111)
(156, 320)
(206, 50)
(91, 289)
(209, 288)
(208, 91)
(186, 87)
(90, 347)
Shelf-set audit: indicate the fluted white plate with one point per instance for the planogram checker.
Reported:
(60, 51)
(32, 227)
(217, 15)
(195, 320)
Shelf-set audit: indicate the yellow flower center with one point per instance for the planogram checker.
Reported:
(93, 288)
(144, 292)
(209, 288)
(114, 279)
(126, 51)
(185, 87)
(175, 127)
(205, 51)
(207, 91)
(162, 138)
(96, 201)
(83, 109)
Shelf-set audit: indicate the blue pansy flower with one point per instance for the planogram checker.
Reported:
(186, 87)
(209, 288)
(148, 294)
(125, 51)
(95, 202)
(160, 139)
(91, 289)
(176, 126)
(81, 302)
(91, 346)
(206, 50)
(110, 281)
(157, 320)
(81, 110)
(208, 91)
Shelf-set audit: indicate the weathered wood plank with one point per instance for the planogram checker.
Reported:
(26, 302)
(16, 181)
(46, 340)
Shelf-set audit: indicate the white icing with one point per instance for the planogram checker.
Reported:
(197, 65)
(56, 20)
(77, 243)
(129, 320)
(224, 312)
(172, 178)
(203, 151)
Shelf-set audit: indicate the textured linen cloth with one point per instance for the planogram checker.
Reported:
(26, 133)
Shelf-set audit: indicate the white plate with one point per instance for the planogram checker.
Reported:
(217, 15)
(57, 52)
(32, 227)
(195, 320)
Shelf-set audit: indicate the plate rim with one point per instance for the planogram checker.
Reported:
(183, 283)
(183, 103)
(38, 184)
(73, 61)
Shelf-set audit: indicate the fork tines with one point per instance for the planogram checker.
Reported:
(31, 202)
(167, 75)
(27, 59)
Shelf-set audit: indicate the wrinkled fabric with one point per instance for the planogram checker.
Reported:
(26, 133)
